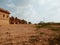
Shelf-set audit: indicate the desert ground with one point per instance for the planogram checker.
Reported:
(29, 34)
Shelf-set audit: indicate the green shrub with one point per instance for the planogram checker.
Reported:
(54, 28)
(42, 33)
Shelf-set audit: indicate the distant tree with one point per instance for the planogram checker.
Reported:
(11, 20)
(41, 22)
(29, 22)
(24, 22)
(16, 20)
(19, 21)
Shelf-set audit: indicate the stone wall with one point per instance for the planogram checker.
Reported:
(4, 22)
(4, 18)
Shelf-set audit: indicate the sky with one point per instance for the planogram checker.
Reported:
(33, 10)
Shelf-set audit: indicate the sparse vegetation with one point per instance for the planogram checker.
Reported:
(34, 39)
(47, 25)
(43, 36)
(55, 40)
(55, 28)
(42, 33)
(55, 37)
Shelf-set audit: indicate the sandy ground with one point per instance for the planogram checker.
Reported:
(21, 32)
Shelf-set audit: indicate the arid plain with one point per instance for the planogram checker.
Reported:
(29, 34)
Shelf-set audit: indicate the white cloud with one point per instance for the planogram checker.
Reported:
(11, 4)
(37, 10)
(41, 2)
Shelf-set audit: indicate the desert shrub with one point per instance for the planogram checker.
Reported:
(38, 26)
(42, 26)
(25, 43)
(34, 39)
(8, 33)
(42, 33)
(10, 43)
(51, 42)
(47, 25)
(55, 40)
(58, 39)
(55, 28)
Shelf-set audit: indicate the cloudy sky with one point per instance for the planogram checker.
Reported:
(33, 10)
